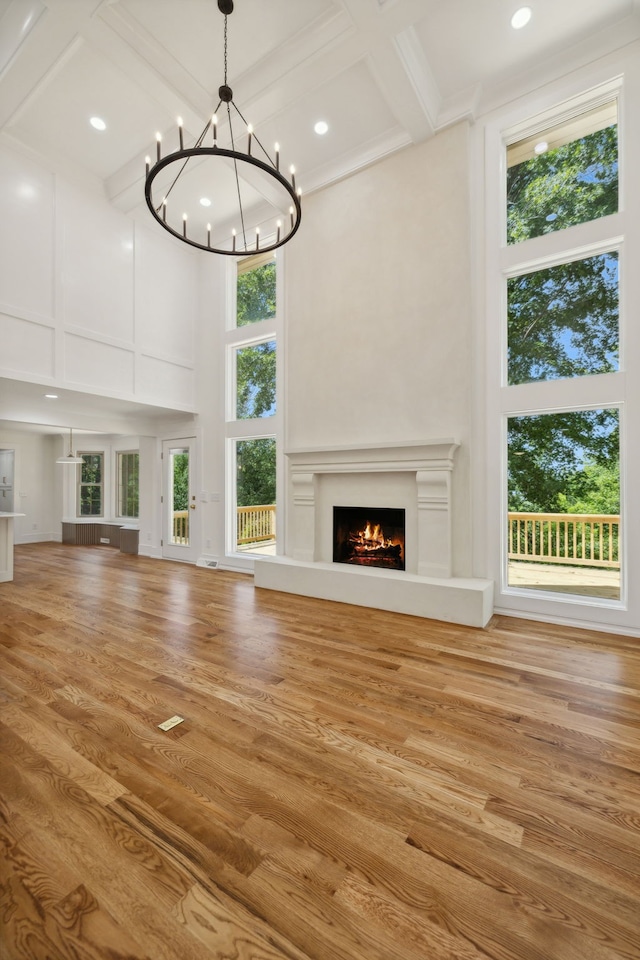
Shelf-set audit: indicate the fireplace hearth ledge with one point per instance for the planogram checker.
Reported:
(463, 600)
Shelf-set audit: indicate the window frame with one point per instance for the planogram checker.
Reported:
(80, 484)
(237, 338)
(496, 261)
(118, 485)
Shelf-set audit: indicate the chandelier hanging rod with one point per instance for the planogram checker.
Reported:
(283, 231)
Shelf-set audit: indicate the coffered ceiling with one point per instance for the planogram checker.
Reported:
(381, 73)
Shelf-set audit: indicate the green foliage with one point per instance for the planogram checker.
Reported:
(256, 295)
(572, 184)
(256, 472)
(563, 321)
(256, 388)
(180, 481)
(129, 485)
(556, 459)
(91, 485)
(599, 491)
(256, 381)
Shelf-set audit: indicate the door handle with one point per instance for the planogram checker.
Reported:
(192, 505)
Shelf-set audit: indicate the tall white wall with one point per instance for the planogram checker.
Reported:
(90, 300)
(378, 311)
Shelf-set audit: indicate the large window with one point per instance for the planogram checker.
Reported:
(562, 323)
(128, 478)
(562, 349)
(252, 399)
(91, 485)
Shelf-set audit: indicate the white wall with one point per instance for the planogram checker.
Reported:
(378, 294)
(89, 300)
(36, 490)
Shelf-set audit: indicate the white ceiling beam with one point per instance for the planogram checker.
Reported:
(34, 64)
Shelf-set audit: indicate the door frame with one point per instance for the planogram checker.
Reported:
(187, 553)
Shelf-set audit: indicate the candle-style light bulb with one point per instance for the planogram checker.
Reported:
(164, 209)
(257, 238)
(250, 132)
(147, 163)
(208, 234)
(180, 133)
(291, 213)
(184, 224)
(277, 149)
(214, 124)
(158, 142)
(233, 238)
(292, 170)
(279, 226)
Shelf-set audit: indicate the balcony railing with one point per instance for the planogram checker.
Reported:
(256, 524)
(575, 539)
(180, 529)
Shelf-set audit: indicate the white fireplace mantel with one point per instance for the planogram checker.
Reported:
(430, 465)
(384, 457)
(416, 476)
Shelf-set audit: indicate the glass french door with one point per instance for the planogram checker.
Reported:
(179, 504)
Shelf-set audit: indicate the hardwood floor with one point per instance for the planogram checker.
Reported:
(347, 784)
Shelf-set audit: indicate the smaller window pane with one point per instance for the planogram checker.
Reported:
(91, 468)
(256, 381)
(563, 321)
(256, 495)
(128, 485)
(90, 485)
(563, 176)
(179, 480)
(256, 290)
(564, 529)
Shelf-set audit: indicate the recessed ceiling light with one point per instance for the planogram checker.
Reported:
(205, 201)
(321, 127)
(541, 147)
(51, 396)
(98, 123)
(521, 18)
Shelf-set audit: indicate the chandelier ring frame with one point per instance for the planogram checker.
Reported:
(236, 156)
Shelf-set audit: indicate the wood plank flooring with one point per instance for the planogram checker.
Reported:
(347, 784)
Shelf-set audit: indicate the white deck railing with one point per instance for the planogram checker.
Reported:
(576, 539)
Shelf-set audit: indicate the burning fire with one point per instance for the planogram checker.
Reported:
(371, 538)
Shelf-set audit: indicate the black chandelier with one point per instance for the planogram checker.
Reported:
(268, 183)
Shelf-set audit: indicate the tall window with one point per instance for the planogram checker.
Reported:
(558, 387)
(562, 323)
(128, 476)
(254, 423)
(91, 485)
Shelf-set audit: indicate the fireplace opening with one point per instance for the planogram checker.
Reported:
(369, 537)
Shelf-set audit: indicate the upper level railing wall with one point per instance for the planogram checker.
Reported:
(577, 539)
